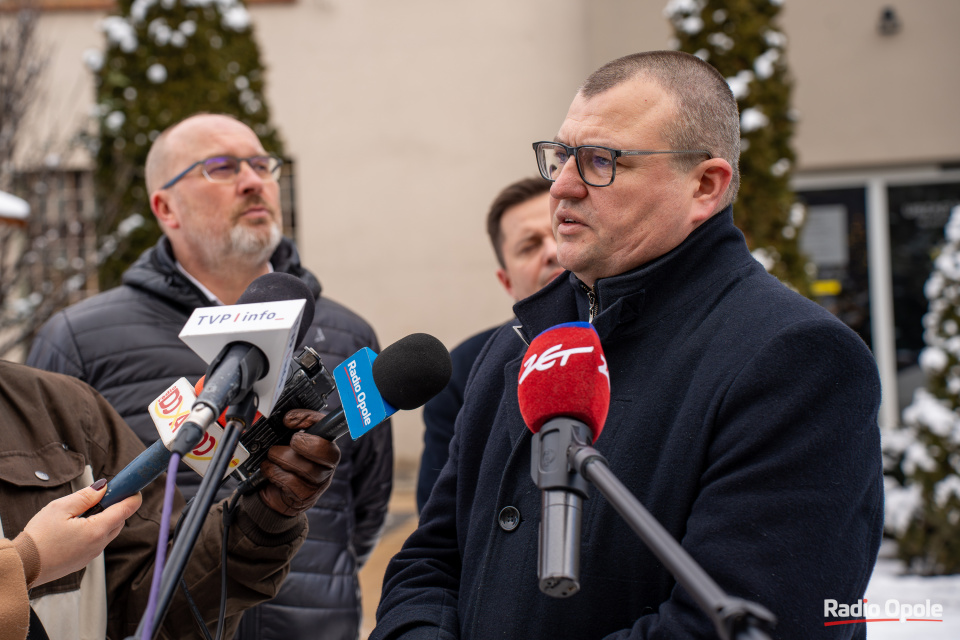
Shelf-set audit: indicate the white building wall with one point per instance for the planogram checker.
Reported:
(865, 99)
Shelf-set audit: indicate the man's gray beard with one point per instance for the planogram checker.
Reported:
(253, 244)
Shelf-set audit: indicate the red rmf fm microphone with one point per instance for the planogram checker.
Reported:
(564, 395)
(564, 374)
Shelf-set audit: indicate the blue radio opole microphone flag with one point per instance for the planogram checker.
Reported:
(373, 387)
(354, 378)
(404, 376)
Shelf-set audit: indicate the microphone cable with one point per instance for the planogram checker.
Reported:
(168, 495)
(147, 628)
(229, 513)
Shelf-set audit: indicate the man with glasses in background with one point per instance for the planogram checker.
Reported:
(214, 191)
(518, 224)
(742, 415)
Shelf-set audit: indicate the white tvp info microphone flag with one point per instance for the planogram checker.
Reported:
(269, 326)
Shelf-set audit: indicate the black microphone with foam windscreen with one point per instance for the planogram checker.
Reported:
(405, 375)
(372, 388)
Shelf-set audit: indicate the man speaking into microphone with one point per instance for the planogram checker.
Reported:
(741, 415)
(214, 191)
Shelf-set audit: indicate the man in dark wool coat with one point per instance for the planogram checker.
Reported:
(742, 415)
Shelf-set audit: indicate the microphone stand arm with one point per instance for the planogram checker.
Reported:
(239, 416)
(733, 618)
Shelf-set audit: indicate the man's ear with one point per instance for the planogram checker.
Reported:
(505, 281)
(712, 181)
(160, 205)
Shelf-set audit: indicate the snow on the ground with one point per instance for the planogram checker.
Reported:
(888, 583)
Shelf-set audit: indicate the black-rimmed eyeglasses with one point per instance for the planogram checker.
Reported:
(597, 165)
(226, 168)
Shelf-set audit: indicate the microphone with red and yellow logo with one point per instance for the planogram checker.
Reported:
(564, 396)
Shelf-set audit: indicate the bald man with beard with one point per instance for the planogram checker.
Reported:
(214, 191)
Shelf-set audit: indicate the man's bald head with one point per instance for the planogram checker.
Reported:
(159, 166)
(157, 161)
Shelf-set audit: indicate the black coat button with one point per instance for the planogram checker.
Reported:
(509, 518)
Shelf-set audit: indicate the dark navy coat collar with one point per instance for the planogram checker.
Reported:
(633, 299)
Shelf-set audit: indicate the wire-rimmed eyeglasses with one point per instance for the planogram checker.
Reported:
(225, 168)
(597, 165)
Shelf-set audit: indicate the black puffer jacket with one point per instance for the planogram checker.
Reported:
(124, 342)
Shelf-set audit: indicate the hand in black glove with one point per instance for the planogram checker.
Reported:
(301, 472)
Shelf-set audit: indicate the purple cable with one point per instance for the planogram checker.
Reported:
(169, 492)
